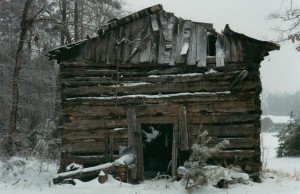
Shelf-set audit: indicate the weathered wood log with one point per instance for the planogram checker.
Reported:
(229, 118)
(158, 88)
(131, 71)
(81, 173)
(87, 124)
(183, 78)
(156, 99)
(238, 130)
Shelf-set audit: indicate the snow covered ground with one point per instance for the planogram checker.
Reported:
(282, 176)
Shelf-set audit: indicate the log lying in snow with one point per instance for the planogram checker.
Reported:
(81, 173)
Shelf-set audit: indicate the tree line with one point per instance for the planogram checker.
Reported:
(280, 104)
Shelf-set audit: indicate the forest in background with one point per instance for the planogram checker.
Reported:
(280, 104)
(49, 24)
(59, 22)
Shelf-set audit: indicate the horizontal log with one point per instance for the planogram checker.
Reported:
(94, 111)
(158, 119)
(234, 143)
(81, 173)
(86, 124)
(118, 111)
(181, 98)
(147, 70)
(230, 65)
(241, 130)
(183, 78)
(84, 147)
(236, 154)
(228, 118)
(230, 106)
(157, 88)
(83, 135)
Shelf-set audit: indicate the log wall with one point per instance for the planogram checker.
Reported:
(95, 102)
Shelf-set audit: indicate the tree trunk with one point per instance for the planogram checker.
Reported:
(76, 30)
(9, 145)
(63, 19)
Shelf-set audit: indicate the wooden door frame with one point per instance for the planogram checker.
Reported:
(135, 137)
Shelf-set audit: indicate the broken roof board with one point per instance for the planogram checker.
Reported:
(153, 35)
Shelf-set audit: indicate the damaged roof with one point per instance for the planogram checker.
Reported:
(153, 35)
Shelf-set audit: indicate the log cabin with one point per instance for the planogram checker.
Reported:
(154, 73)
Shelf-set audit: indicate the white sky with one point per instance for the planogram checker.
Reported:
(280, 72)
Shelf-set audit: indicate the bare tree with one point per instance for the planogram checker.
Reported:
(25, 25)
(289, 15)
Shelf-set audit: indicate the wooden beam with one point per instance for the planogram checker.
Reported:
(183, 129)
(174, 150)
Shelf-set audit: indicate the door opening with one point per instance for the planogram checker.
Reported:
(157, 148)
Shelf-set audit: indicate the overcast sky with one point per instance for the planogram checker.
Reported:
(280, 72)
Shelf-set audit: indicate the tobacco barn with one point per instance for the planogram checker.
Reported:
(154, 82)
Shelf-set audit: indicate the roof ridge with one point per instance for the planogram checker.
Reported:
(129, 18)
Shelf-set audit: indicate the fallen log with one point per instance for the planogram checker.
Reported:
(81, 173)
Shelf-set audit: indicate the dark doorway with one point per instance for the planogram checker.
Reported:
(157, 150)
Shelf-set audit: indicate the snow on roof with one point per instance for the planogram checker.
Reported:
(277, 119)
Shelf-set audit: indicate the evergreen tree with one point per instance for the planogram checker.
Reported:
(195, 172)
(288, 137)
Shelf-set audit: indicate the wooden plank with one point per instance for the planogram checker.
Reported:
(104, 47)
(135, 140)
(174, 42)
(183, 129)
(179, 42)
(127, 47)
(186, 36)
(156, 110)
(154, 23)
(111, 46)
(192, 51)
(111, 147)
(167, 21)
(145, 51)
(158, 119)
(174, 150)
(136, 33)
(227, 48)
(220, 53)
(140, 44)
(201, 44)
(163, 53)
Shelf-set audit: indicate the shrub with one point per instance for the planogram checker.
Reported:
(195, 172)
(288, 137)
